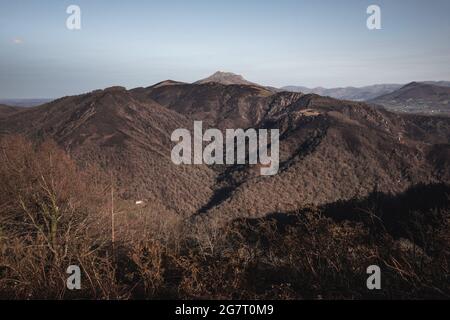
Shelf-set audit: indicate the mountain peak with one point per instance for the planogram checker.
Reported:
(166, 83)
(413, 84)
(224, 74)
(226, 78)
(115, 89)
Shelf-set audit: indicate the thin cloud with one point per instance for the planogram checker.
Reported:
(18, 41)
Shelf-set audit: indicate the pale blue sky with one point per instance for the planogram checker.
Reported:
(279, 42)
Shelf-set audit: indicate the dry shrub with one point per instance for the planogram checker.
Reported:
(148, 258)
(309, 256)
(54, 214)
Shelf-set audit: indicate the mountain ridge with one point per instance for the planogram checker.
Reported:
(365, 93)
(226, 78)
(330, 149)
(417, 97)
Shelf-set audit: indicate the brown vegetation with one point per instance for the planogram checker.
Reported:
(54, 214)
(330, 150)
(416, 97)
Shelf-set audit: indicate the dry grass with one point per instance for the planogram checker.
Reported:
(54, 214)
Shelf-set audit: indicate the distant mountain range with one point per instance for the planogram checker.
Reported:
(24, 102)
(330, 149)
(349, 93)
(424, 97)
(425, 102)
(358, 93)
(417, 97)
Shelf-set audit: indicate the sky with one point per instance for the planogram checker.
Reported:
(137, 43)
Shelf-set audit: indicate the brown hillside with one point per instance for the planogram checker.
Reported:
(334, 150)
(7, 110)
(329, 149)
(417, 97)
(129, 136)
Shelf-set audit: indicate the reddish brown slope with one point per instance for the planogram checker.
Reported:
(132, 137)
(330, 149)
(223, 106)
(335, 150)
(7, 110)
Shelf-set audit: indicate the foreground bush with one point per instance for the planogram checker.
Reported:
(54, 214)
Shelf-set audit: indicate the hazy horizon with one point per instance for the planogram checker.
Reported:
(144, 85)
(273, 43)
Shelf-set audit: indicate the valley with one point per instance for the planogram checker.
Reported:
(91, 178)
